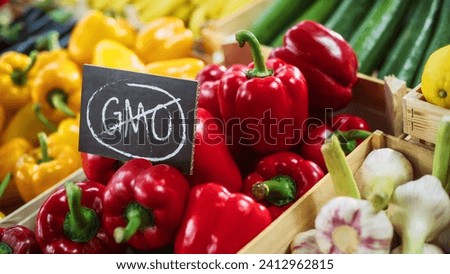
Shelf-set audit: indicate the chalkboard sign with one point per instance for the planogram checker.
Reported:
(126, 115)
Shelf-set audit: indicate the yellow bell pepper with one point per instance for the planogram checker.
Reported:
(93, 28)
(112, 54)
(10, 153)
(15, 79)
(23, 124)
(68, 133)
(43, 167)
(164, 38)
(57, 89)
(52, 53)
(185, 68)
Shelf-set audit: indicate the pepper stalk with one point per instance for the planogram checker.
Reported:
(81, 224)
(260, 69)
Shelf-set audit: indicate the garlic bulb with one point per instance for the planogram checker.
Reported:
(380, 173)
(419, 210)
(427, 249)
(305, 243)
(349, 225)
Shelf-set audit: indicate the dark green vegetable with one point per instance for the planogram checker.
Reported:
(376, 32)
(348, 15)
(441, 37)
(409, 48)
(277, 17)
(320, 11)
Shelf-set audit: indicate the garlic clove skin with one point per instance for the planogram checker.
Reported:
(419, 210)
(380, 173)
(427, 249)
(305, 243)
(349, 225)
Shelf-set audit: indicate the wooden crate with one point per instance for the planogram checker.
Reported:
(277, 237)
(420, 118)
(218, 32)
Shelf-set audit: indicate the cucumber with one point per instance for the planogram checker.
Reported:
(320, 11)
(347, 16)
(408, 49)
(376, 32)
(276, 17)
(440, 38)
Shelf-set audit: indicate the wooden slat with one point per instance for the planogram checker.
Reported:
(420, 118)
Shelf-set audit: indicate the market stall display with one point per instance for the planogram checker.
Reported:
(300, 125)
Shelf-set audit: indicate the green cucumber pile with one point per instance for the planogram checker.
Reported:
(390, 37)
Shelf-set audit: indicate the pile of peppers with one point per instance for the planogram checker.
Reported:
(256, 151)
(41, 92)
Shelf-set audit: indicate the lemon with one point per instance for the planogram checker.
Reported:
(436, 78)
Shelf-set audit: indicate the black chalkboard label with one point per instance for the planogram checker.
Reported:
(126, 115)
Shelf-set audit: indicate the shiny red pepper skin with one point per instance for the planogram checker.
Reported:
(274, 107)
(219, 222)
(18, 240)
(327, 61)
(212, 159)
(50, 232)
(346, 122)
(317, 134)
(157, 193)
(302, 173)
(208, 79)
(98, 168)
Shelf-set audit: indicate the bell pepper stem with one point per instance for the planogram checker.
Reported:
(353, 134)
(382, 190)
(138, 217)
(260, 69)
(42, 138)
(5, 249)
(4, 184)
(19, 76)
(343, 181)
(41, 117)
(279, 191)
(81, 224)
(441, 158)
(48, 42)
(348, 138)
(11, 33)
(57, 98)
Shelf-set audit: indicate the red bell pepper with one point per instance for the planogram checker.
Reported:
(350, 129)
(212, 160)
(98, 168)
(144, 204)
(18, 239)
(208, 79)
(69, 221)
(219, 222)
(268, 100)
(280, 179)
(327, 61)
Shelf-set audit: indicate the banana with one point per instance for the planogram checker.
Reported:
(159, 9)
(184, 11)
(232, 6)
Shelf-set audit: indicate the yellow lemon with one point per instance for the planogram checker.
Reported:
(436, 78)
